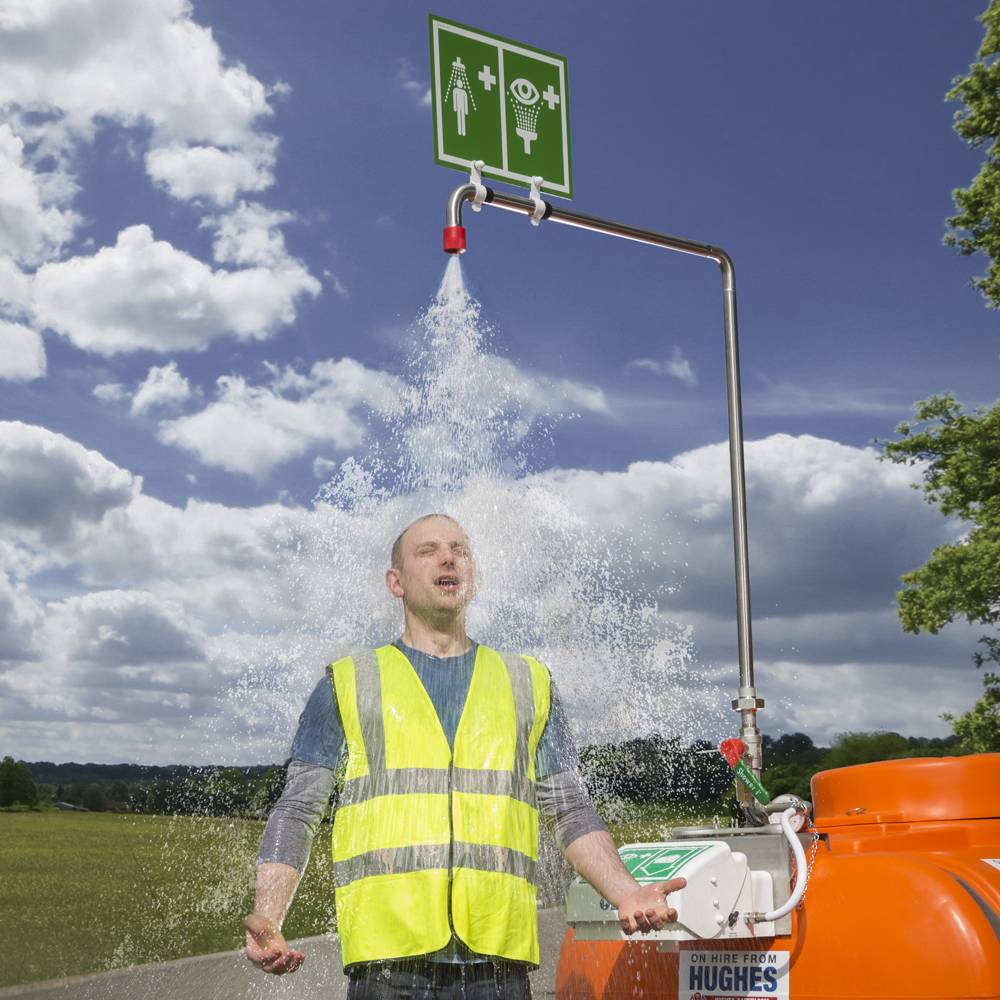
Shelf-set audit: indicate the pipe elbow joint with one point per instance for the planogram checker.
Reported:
(454, 231)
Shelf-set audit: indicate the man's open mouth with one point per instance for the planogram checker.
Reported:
(448, 582)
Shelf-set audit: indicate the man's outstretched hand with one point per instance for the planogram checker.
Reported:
(646, 909)
(267, 949)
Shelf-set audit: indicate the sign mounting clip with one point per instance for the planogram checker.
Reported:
(476, 177)
(536, 197)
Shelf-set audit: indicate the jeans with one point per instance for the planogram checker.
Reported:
(418, 979)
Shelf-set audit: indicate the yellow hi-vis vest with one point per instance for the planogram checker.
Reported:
(426, 843)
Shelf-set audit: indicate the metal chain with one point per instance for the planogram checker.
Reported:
(813, 848)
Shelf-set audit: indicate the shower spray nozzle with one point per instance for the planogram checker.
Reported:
(454, 239)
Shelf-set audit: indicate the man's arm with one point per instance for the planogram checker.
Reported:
(643, 908)
(284, 853)
(566, 809)
(266, 947)
(582, 836)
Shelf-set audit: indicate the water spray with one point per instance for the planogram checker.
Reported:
(746, 703)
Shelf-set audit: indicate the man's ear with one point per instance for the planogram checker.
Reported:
(394, 581)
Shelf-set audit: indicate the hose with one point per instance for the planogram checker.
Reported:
(800, 874)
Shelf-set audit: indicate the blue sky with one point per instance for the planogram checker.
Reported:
(247, 193)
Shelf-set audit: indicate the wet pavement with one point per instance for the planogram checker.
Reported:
(229, 976)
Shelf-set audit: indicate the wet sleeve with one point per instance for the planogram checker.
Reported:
(320, 735)
(565, 807)
(556, 749)
(296, 816)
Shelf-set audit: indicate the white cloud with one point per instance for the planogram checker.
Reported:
(110, 392)
(408, 81)
(143, 293)
(137, 61)
(249, 235)
(22, 353)
(781, 399)
(250, 429)
(119, 628)
(189, 171)
(831, 530)
(861, 696)
(53, 489)
(69, 69)
(20, 615)
(448, 420)
(323, 468)
(32, 226)
(830, 526)
(338, 286)
(162, 386)
(678, 366)
(116, 663)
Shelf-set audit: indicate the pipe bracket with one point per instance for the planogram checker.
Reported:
(541, 208)
(476, 178)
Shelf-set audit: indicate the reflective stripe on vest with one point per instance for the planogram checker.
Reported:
(418, 857)
(422, 851)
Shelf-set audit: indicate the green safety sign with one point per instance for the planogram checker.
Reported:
(657, 864)
(500, 102)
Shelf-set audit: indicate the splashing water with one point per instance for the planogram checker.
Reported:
(454, 434)
(459, 433)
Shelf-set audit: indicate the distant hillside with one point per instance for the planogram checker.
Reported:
(45, 772)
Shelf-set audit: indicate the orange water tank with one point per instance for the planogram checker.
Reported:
(903, 901)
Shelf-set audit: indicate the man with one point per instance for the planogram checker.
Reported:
(452, 750)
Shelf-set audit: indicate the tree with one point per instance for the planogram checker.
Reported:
(979, 122)
(93, 799)
(865, 748)
(17, 786)
(961, 453)
(979, 729)
(792, 748)
(793, 779)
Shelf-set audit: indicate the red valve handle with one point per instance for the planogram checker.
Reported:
(732, 750)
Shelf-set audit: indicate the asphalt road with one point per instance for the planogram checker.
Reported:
(229, 976)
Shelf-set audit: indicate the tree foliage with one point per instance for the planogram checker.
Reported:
(17, 787)
(979, 728)
(978, 121)
(961, 454)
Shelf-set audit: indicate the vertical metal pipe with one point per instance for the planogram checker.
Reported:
(747, 703)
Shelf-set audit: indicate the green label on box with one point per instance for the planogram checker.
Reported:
(657, 864)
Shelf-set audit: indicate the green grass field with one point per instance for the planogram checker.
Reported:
(90, 891)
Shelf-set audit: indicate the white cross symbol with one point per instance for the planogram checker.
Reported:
(552, 97)
(488, 78)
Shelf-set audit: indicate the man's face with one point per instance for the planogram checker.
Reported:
(438, 573)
